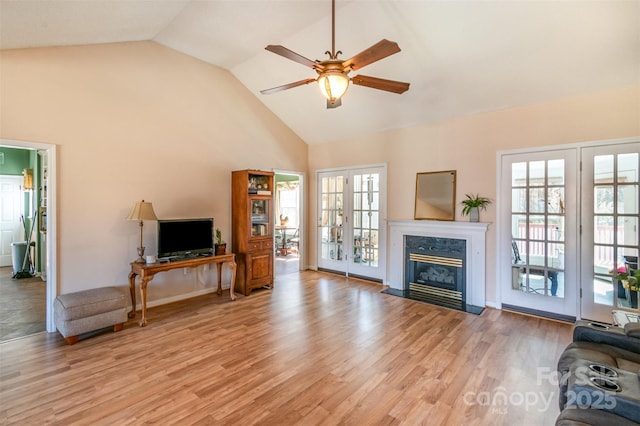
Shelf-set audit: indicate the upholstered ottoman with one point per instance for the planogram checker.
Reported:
(90, 310)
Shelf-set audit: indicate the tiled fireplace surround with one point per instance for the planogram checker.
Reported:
(473, 233)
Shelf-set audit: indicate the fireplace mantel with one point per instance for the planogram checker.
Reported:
(473, 233)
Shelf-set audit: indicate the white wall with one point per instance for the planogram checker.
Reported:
(135, 121)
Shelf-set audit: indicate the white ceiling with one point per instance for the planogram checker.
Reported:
(461, 57)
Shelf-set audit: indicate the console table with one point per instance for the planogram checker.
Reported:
(147, 271)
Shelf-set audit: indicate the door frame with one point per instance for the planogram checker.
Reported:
(502, 221)
(51, 266)
(302, 221)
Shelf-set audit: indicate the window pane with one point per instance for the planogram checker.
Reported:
(519, 200)
(374, 220)
(628, 231)
(556, 172)
(519, 226)
(628, 168)
(357, 201)
(537, 200)
(602, 260)
(536, 173)
(536, 253)
(556, 230)
(536, 228)
(339, 182)
(555, 256)
(603, 230)
(357, 183)
(628, 199)
(556, 200)
(519, 174)
(603, 200)
(375, 202)
(603, 169)
(357, 221)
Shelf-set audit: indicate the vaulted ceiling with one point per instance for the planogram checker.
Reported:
(461, 57)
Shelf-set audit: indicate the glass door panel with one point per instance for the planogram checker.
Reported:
(366, 189)
(539, 186)
(612, 195)
(331, 238)
(260, 225)
(351, 228)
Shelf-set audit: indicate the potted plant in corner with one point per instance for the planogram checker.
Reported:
(220, 246)
(472, 206)
(630, 280)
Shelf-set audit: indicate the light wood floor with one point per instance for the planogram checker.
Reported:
(22, 305)
(318, 349)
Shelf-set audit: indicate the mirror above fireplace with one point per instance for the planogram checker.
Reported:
(436, 195)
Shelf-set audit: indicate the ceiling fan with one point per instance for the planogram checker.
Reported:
(333, 73)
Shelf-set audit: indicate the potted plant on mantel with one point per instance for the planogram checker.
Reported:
(472, 206)
(220, 246)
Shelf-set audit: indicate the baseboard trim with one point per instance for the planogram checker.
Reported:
(540, 314)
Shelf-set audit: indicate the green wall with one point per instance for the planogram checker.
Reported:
(15, 160)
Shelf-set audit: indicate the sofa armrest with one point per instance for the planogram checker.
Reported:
(586, 331)
(632, 329)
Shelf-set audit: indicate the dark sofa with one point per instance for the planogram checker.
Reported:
(599, 381)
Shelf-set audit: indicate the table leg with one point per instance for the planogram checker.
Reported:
(232, 293)
(219, 290)
(143, 300)
(132, 290)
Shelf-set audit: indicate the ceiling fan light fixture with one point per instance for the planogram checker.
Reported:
(333, 84)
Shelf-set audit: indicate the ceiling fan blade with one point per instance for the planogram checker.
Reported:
(380, 84)
(334, 104)
(290, 54)
(287, 86)
(378, 51)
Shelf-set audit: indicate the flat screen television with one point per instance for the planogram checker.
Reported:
(185, 237)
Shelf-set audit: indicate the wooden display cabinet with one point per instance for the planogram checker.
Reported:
(252, 228)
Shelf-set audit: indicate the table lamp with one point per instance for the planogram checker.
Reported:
(141, 211)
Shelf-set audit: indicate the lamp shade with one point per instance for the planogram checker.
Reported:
(142, 211)
(333, 84)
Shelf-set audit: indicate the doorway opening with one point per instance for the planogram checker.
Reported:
(288, 242)
(29, 304)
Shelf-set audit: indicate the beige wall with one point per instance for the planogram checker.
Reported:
(469, 145)
(136, 121)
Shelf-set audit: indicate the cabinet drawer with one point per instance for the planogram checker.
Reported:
(254, 246)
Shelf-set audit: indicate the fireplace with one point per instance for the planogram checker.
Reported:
(435, 270)
(442, 263)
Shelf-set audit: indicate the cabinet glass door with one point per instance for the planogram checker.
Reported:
(260, 225)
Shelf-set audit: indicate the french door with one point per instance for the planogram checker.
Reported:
(539, 217)
(352, 221)
(610, 198)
